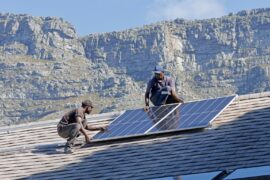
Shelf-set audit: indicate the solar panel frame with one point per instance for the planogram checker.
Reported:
(198, 176)
(148, 132)
(259, 172)
(192, 127)
(133, 135)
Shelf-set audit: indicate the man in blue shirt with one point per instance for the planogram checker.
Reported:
(161, 89)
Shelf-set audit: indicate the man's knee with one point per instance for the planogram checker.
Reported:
(176, 98)
(166, 90)
(169, 88)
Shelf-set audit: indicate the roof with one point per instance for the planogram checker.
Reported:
(238, 138)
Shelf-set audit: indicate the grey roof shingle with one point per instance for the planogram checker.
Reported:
(238, 138)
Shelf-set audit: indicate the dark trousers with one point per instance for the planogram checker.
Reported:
(164, 96)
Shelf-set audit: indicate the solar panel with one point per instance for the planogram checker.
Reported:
(135, 122)
(204, 176)
(262, 172)
(167, 118)
(198, 114)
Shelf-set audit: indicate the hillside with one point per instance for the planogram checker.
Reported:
(47, 69)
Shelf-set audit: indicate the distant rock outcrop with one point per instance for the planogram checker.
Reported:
(45, 68)
(43, 38)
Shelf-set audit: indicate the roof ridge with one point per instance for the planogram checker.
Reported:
(254, 95)
(90, 118)
(110, 115)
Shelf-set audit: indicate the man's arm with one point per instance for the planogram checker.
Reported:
(79, 120)
(147, 95)
(172, 83)
(95, 128)
(146, 99)
(174, 94)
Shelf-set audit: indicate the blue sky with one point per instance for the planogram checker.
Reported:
(96, 16)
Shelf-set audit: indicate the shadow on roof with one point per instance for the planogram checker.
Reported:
(48, 149)
(241, 143)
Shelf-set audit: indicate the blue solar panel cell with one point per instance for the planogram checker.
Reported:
(134, 122)
(204, 176)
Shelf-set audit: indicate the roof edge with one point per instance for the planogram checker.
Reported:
(90, 118)
(254, 95)
(111, 115)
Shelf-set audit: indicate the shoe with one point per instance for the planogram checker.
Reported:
(78, 135)
(68, 149)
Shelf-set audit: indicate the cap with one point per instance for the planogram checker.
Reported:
(87, 103)
(158, 69)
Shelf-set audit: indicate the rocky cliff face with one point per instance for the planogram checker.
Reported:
(43, 38)
(45, 68)
(207, 57)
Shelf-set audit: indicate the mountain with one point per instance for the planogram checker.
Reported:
(47, 69)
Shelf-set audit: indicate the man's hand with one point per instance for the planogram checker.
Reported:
(87, 139)
(103, 128)
(146, 108)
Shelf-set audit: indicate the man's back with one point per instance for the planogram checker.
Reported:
(70, 117)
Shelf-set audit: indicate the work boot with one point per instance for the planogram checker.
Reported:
(78, 135)
(68, 148)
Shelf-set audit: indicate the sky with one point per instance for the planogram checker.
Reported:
(98, 16)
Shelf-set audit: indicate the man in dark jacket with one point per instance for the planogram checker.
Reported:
(73, 123)
(161, 89)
